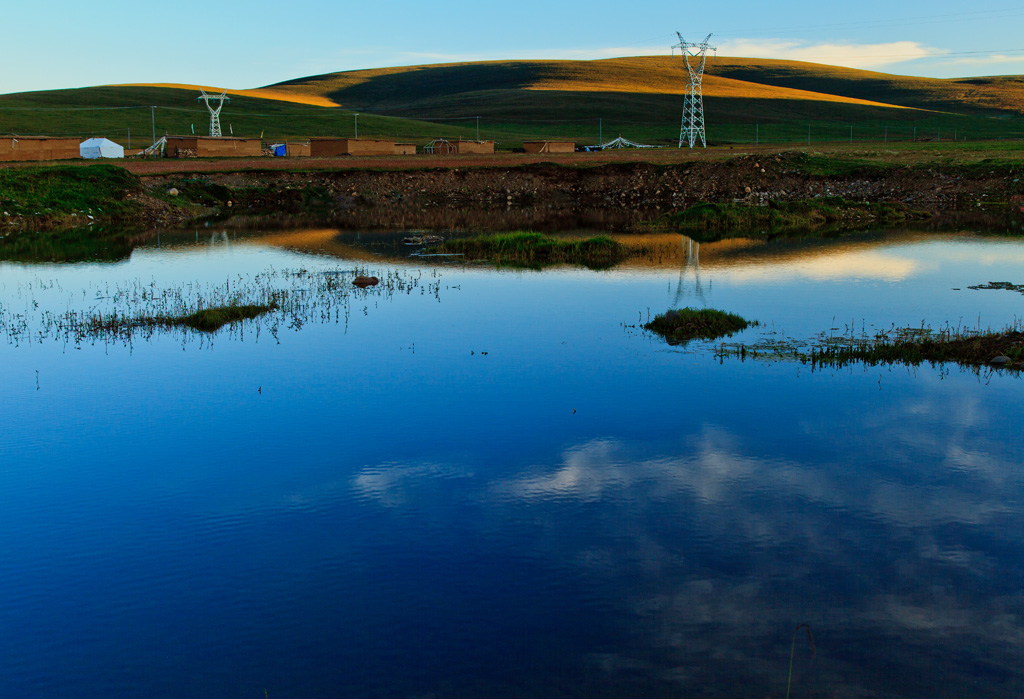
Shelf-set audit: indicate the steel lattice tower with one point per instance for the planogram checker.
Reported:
(214, 113)
(693, 100)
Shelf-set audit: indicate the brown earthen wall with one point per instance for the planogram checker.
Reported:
(549, 146)
(297, 150)
(176, 143)
(209, 147)
(466, 147)
(229, 147)
(405, 149)
(36, 148)
(328, 147)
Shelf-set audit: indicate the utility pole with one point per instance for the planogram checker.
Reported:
(757, 134)
(808, 134)
(356, 124)
(886, 134)
(478, 129)
(692, 127)
(851, 134)
(152, 113)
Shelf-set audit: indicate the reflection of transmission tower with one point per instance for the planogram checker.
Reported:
(693, 101)
(692, 261)
(214, 113)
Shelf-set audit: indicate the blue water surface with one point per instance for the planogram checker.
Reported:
(496, 484)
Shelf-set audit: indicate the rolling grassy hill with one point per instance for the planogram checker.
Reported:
(639, 97)
(647, 91)
(427, 89)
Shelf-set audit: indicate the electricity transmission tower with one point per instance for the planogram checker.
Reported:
(693, 100)
(214, 113)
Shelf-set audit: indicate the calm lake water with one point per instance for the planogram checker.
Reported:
(479, 482)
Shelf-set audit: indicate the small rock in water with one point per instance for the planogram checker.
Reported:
(366, 281)
(999, 360)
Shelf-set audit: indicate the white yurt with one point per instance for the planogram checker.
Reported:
(100, 148)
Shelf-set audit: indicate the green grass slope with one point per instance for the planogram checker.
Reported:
(118, 112)
(645, 94)
(1003, 95)
(639, 97)
(438, 89)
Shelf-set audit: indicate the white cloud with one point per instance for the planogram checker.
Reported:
(843, 54)
(981, 60)
(848, 54)
(838, 54)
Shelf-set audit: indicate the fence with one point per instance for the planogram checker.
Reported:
(139, 126)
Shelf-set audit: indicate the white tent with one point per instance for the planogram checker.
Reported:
(100, 148)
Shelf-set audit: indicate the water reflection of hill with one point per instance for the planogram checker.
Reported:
(850, 255)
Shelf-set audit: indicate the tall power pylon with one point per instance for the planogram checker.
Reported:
(214, 113)
(693, 101)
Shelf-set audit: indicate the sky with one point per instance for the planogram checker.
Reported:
(243, 45)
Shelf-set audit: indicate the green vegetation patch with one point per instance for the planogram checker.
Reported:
(684, 324)
(832, 166)
(99, 190)
(211, 319)
(708, 222)
(913, 347)
(205, 320)
(528, 249)
(908, 346)
(199, 190)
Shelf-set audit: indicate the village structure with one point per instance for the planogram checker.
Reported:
(216, 145)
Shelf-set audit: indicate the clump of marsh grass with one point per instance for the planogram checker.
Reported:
(204, 320)
(270, 300)
(908, 346)
(684, 324)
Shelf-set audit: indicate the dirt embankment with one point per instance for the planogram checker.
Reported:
(543, 194)
(406, 194)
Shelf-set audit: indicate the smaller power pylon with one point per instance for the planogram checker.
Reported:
(214, 113)
(693, 100)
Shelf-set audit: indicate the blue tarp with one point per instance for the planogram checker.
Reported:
(281, 150)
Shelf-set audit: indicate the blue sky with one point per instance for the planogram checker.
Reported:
(241, 45)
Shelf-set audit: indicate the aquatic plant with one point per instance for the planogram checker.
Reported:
(685, 324)
(210, 319)
(270, 300)
(908, 346)
(792, 650)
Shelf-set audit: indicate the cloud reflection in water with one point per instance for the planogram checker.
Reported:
(897, 539)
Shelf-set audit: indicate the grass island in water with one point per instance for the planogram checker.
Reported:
(685, 324)
(907, 346)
